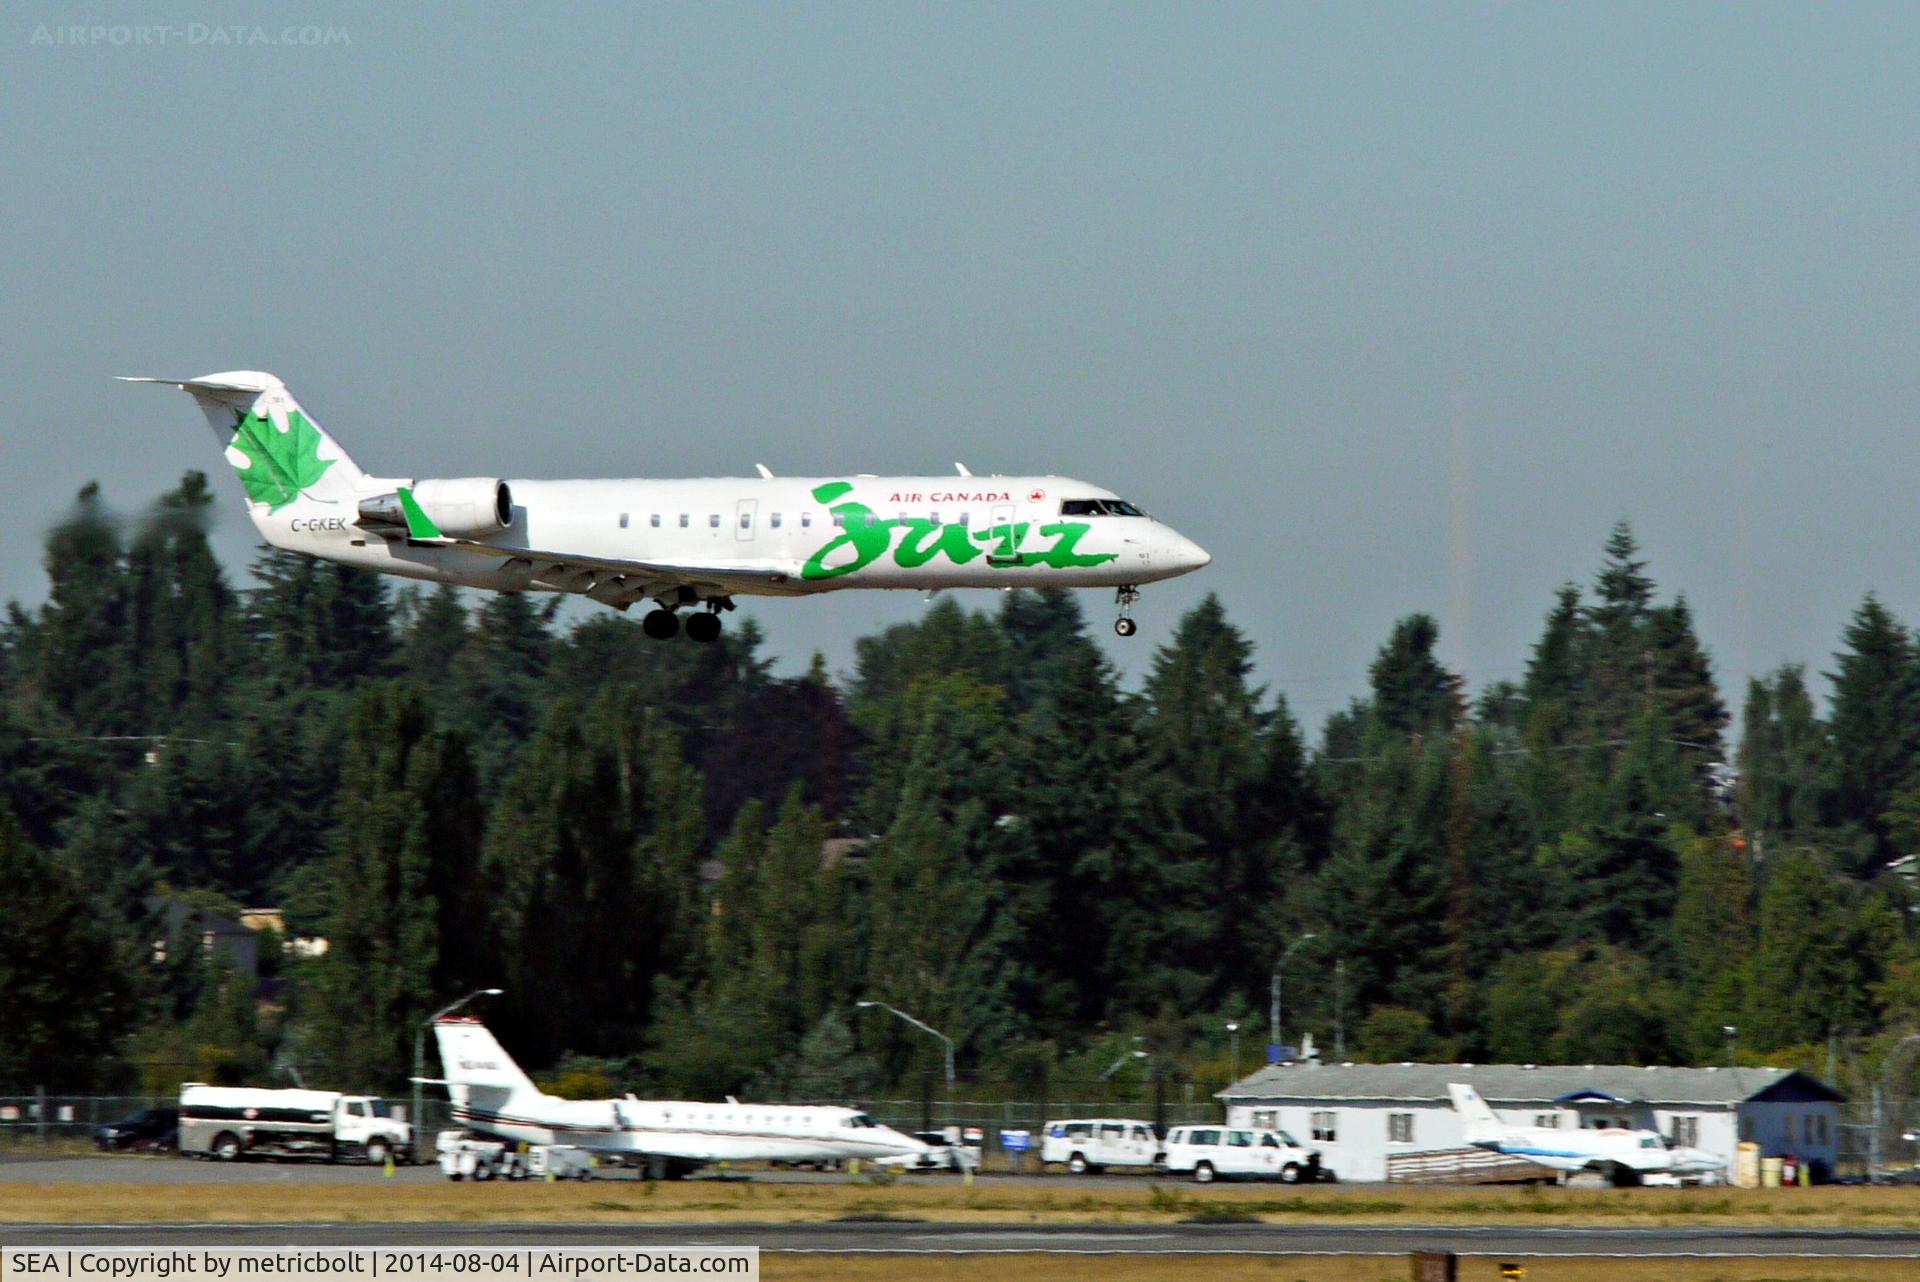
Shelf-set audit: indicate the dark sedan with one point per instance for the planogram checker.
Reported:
(157, 1129)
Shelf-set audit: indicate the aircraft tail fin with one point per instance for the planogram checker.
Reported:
(481, 1077)
(1481, 1122)
(279, 453)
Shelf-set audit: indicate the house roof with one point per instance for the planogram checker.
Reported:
(1529, 1084)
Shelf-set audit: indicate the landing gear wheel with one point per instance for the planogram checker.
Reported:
(703, 627)
(661, 625)
(1125, 627)
(1125, 596)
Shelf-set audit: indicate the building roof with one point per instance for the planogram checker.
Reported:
(1528, 1083)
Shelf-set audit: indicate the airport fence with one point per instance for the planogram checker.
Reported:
(46, 1118)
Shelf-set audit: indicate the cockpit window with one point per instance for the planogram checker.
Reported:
(1098, 507)
(860, 1120)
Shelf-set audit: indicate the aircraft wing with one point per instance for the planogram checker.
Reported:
(653, 576)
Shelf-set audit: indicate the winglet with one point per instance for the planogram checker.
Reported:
(419, 525)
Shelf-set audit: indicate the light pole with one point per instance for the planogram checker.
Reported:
(420, 1054)
(1273, 1008)
(1233, 1054)
(925, 1028)
(1732, 1033)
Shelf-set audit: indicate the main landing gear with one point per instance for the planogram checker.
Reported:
(1126, 596)
(663, 624)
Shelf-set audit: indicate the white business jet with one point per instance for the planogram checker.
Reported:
(1622, 1156)
(664, 1138)
(683, 545)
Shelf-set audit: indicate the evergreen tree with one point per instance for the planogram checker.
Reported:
(1875, 723)
(65, 996)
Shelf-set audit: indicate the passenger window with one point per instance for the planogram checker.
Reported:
(806, 520)
(1140, 1133)
(1240, 1139)
(966, 518)
(713, 522)
(683, 520)
(654, 520)
(775, 523)
(623, 520)
(1207, 1137)
(746, 520)
(873, 519)
(1112, 1131)
(1267, 1141)
(934, 517)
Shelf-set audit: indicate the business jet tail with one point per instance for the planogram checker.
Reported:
(482, 1080)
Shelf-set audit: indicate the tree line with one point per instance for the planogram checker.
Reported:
(684, 870)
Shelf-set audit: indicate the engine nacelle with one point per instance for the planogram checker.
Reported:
(466, 507)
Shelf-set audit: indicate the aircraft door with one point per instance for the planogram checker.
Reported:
(746, 517)
(1005, 547)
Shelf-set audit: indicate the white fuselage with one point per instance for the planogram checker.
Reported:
(691, 1130)
(804, 535)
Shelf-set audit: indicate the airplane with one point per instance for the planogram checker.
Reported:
(691, 545)
(665, 1139)
(1623, 1157)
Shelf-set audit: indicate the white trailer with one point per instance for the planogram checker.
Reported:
(229, 1122)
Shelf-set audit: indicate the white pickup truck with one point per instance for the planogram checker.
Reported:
(1212, 1153)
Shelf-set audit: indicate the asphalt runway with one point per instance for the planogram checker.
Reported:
(897, 1238)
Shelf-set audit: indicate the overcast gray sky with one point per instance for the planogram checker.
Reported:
(1393, 308)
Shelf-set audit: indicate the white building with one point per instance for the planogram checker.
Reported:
(1360, 1115)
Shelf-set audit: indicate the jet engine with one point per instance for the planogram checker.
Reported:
(466, 507)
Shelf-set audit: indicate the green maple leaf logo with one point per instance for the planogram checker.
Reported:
(279, 464)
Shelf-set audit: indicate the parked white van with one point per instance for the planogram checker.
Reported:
(1095, 1143)
(1222, 1153)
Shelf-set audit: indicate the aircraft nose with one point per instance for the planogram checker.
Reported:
(1186, 554)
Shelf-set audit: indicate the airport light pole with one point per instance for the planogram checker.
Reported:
(1273, 1007)
(1233, 1053)
(420, 1056)
(925, 1028)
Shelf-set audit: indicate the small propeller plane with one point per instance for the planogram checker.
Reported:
(1622, 1156)
(683, 545)
(665, 1139)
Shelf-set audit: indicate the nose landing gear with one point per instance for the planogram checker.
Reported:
(1126, 596)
